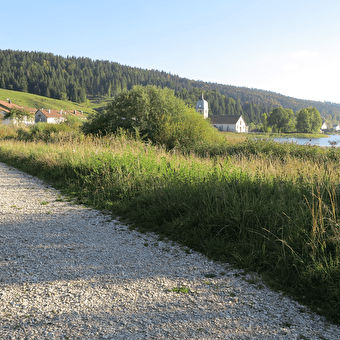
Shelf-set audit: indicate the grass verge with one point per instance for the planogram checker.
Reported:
(265, 207)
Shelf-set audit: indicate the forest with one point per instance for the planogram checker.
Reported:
(80, 79)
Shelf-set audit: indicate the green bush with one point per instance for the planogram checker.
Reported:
(46, 132)
(155, 115)
(8, 131)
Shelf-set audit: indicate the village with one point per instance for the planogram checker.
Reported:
(225, 123)
(35, 115)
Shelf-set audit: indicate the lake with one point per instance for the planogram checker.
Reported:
(312, 141)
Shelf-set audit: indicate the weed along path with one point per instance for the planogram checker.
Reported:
(70, 272)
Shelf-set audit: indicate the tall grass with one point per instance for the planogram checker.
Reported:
(269, 208)
(8, 131)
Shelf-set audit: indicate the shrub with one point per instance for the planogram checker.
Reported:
(155, 115)
(8, 131)
(46, 132)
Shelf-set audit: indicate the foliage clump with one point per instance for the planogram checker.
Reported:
(281, 120)
(307, 120)
(18, 113)
(155, 115)
(46, 132)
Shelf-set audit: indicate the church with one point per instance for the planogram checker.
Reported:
(202, 107)
(231, 123)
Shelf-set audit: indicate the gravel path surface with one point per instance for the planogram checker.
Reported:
(69, 272)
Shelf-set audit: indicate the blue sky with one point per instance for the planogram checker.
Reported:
(285, 46)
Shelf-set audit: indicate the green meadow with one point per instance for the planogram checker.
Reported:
(262, 206)
(35, 101)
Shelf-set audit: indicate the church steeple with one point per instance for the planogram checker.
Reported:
(202, 107)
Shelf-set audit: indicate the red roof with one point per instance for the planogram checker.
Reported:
(227, 119)
(8, 105)
(51, 113)
(31, 109)
(4, 110)
(74, 113)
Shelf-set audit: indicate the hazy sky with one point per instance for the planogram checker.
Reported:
(287, 46)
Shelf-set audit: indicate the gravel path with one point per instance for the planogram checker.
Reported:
(69, 272)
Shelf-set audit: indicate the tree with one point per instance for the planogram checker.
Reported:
(308, 120)
(316, 121)
(73, 121)
(47, 74)
(18, 113)
(264, 120)
(155, 114)
(281, 120)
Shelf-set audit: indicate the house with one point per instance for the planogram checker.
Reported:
(8, 105)
(42, 115)
(74, 113)
(202, 107)
(234, 123)
(5, 108)
(3, 112)
(336, 127)
(323, 126)
(56, 116)
(49, 116)
(15, 121)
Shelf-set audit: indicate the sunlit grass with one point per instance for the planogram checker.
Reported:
(25, 99)
(268, 207)
(235, 138)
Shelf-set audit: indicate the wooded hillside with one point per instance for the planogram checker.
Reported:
(77, 79)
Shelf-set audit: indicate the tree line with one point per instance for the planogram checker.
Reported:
(306, 120)
(79, 78)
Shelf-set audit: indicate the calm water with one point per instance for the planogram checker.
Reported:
(312, 141)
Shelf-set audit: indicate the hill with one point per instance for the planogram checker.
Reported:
(32, 100)
(78, 79)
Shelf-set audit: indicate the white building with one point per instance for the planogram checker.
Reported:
(202, 107)
(49, 116)
(5, 108)
(233, 123)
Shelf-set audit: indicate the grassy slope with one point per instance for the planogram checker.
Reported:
(35, 101)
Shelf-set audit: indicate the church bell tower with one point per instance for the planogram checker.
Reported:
(202, 107)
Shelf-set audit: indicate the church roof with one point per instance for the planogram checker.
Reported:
(230, 119)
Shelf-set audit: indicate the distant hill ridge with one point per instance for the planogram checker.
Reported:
(77, 79)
